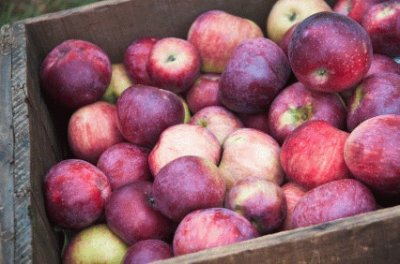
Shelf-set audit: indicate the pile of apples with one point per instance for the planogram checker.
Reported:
(293, 130)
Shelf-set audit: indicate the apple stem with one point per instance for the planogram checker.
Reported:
(292, 16)
(171, 58)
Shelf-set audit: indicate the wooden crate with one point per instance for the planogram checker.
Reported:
(33, 138)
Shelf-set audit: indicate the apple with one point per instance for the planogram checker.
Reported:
(75, 73)
(130, 214)
(383, 64)
(186, 184)
(341, 52)
(120, 81)
(145, 111)
(256, 121)
(188, 116)
(95, 244)
(378, 94)
(285, 13)
(382, 24)
(249, 152)
(204, 92)
(147, 251)
(372, 154)
(174, 64)
(293, 193)
(262, 202)
(284, 43)
(210, 228)
(124, 163)
(183, 140)
(313, 154)
(92, 129)
(257, 70)
(216, 34)
(356, 9)
(136, 59)
(218, 120)
(331, 201)
(75, 193)
(296, 104)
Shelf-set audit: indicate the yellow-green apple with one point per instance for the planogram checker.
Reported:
(296, 104)
(92, 129)
(131, 215)
(174, 64)
(204, 92)
(136, 59)
(216, 34)
(218, 120)
(75, 193)
(257, 70)
(313, 154)
(256, 121)
(95, 244)
(285, 13)
(249, 152)
(342, 52)
(120, 81)
(356, 9)
(262, 202)
(331, 201)
(372, 153)
(145, 111)
(124, 163)
(293, 193)
(382, 24)
(188, 115)
(183, 140)
(210, 228)
(381, 64)
(186, 184)
(378, 94)
(147, 251)
(75, 73)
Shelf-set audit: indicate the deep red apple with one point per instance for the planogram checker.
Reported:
(209, 228)
(136, 58)
(383, 64)
(256, 121)
(293, 193)
(284, 43)
(296, 104)
(145, 111)
(204, 92)
(75, 73)
(372, 153)
(146, 251)
(186, 184)
(356, 9)
(313, 154)
(341, 52)
(75, 193)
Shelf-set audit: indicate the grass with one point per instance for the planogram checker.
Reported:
(13, 10)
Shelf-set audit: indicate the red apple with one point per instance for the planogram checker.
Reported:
(382, 24)
(209, 228)
(204, 92)
(75, 73)
(218, 120)
(249, 152)
(130, 214)
(383, 64)
(256, 121)
(75, 193)
(356, 9)
(216, 34)
(92, 129)
(136, 59)
(372, 153)
(378, 94)
(257, 70)
(341, 52)
(293, 193)
(284, 43)
(125, 163)
(145, 111)
(262, 202)
(296, 104)
(331, 201)
(184, 140)
(174, 64)
(147, 251)
(313, 154)
(120, 81)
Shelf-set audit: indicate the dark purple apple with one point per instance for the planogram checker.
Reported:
(145, 111)
(296, 104)
(146, 251)
(383, 64)
(256, 121)
(204, 92)
(329, 52)
(378, 94)
(187, 184)
(75, 73)
(356, 9)
(257, 70)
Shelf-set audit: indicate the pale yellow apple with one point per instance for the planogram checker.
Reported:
(285, 13)
(120, 81)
